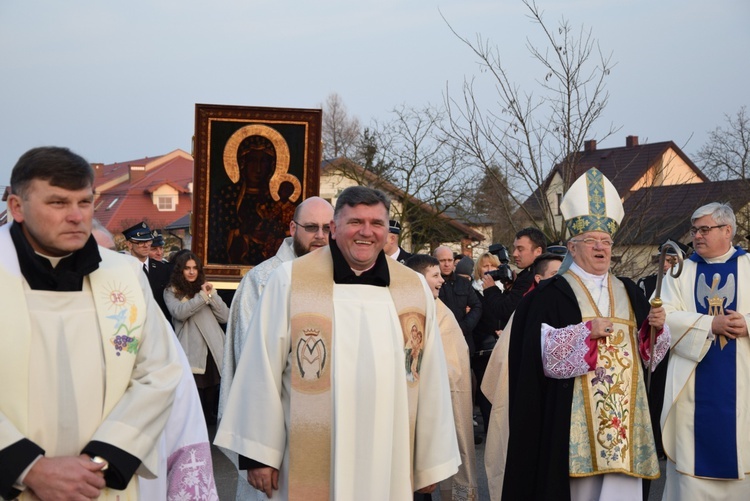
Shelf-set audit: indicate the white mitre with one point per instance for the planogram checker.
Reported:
(592, 204)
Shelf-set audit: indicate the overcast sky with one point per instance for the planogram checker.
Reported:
(117, 81)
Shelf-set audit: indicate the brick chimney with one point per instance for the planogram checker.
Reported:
(589, 145)
(98, 169)
(137, 172)
(631, 141)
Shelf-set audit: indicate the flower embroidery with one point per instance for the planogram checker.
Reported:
(126, 341)
(611, 388)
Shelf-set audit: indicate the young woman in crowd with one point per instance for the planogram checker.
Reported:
(197, 310)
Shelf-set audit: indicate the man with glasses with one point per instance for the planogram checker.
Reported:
(579, 426)
(309, 230)
(140, 238)
(706, 415)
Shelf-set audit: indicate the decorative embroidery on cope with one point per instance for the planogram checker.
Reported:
(312, 354)
(565, 350)
(412, 326)
(612, 387)
(124, 318)
(191, 474)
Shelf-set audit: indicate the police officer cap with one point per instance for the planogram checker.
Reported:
(158, 239)
(394, 226)
(138, 233)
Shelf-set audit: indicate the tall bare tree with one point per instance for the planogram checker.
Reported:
(411, 152)
(492, 201)
(523, 133)
(726, 154)
(341, 133)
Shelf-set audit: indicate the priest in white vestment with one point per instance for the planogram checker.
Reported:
(706, 414)
(342, 391)
(90, 366)
(308, 231)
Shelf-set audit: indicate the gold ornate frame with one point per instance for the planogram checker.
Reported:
(241, 209)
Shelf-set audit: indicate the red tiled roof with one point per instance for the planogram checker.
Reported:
(122, 204)
(623, 166)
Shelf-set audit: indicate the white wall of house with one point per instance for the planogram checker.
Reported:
(671, 170)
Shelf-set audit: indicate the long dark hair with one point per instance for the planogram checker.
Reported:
(183, 288)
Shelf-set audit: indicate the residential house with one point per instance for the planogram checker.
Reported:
(660, 187)
(424, 227)
(156, 190)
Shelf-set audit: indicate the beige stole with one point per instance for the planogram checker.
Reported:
(121, 312)
(610, 428)
(311, 408)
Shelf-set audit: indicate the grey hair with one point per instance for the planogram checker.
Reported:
(721, 213)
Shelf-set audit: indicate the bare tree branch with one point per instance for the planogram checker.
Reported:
(525, 133)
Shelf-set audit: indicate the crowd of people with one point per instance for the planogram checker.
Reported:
(348, 368)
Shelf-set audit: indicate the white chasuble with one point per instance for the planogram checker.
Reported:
(372, 452)
(89, 378)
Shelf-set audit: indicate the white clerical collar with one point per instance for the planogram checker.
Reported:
(359, 272)
(585, 275)
(52, 259)
(597, 286)
(723, 258)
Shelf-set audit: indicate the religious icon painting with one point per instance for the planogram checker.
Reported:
(253, 166)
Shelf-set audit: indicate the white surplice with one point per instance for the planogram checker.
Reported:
(371, 445)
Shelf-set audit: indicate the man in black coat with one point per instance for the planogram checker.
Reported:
(529, 244)
(392, 248)
(459, 296)
(139, 238)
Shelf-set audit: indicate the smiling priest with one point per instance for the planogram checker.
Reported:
(323, 404)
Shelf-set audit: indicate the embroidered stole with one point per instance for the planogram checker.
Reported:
(121, 312)
(311, 408)
(610, 424)
(715, 418)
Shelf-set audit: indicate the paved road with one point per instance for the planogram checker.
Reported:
(226, 476)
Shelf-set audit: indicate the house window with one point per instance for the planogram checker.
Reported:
(166, 202)
(559, 203)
